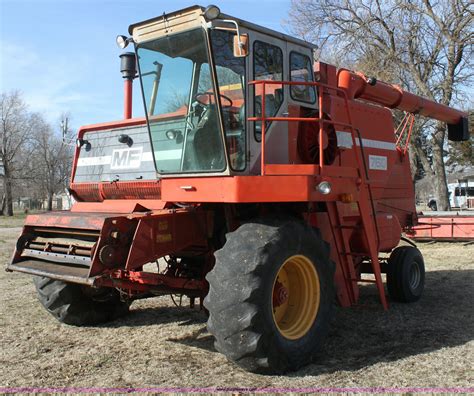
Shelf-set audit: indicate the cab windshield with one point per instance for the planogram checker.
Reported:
(180, 101)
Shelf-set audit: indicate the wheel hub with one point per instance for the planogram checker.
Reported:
(414, 276)
(280, 294)
(295, 297)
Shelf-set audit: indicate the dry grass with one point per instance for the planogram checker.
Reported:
(427, 344)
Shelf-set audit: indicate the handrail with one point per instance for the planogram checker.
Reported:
(359, 156)
(263, 118)
(406, 124)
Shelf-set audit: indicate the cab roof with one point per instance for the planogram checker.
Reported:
(241, 22)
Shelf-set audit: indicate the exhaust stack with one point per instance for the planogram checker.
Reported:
(128, 68)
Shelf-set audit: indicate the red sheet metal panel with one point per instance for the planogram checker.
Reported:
(118, 206)
(67, 219)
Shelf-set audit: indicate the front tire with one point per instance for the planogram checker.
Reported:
(79, 305)
(271, 295)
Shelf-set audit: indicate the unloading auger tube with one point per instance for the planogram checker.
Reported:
(359, 86)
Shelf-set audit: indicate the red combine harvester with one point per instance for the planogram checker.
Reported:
(267, 185)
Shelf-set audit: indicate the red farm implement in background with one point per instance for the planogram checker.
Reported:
(444, 226)
(258, 183)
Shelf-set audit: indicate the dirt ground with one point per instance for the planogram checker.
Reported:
(426, 344)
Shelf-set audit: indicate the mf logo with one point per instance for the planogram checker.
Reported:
(129, 158)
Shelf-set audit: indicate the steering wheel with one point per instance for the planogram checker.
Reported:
(209, 95)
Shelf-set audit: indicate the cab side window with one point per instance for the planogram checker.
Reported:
(268, 65)
(301, 70)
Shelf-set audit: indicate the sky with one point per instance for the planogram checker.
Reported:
(62, 56)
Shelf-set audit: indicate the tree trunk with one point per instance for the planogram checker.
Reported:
(440, 183)
(2, 208)
(413, 163)
(7, 182)
(50, 202)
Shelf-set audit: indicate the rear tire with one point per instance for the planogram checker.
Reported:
(271, 295)
(69, 303)
(405, 274)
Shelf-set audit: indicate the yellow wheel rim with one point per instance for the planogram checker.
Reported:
(296, 297)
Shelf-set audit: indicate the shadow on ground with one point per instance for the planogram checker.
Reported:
(159, 316)
(365, 335)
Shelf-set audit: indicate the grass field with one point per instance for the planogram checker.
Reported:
(426, 344)
(16, 220)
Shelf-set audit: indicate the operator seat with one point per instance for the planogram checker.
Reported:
(207, 142)
(242, 119)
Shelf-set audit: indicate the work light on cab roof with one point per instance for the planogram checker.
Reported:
(212, 12)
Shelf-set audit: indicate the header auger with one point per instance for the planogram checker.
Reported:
(258, 182)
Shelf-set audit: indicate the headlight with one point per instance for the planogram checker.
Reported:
(324, 187)
(122, 41)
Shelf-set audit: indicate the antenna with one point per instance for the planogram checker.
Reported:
(64, 126)
(64, 130)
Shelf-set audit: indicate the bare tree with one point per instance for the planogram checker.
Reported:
(428, 46)
(52, 161)
(16, 128)
(176, 101)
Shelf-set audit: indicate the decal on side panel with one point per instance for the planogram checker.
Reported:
(378, 162)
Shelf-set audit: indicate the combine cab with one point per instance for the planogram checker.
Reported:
(264, 185)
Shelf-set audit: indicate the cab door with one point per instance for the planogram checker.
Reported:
(302, 99)
(267, 61)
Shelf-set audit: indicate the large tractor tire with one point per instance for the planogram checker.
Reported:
(405, 274)
(78, 305)
(271, 295)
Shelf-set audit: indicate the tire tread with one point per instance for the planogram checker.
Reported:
(235, 293)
